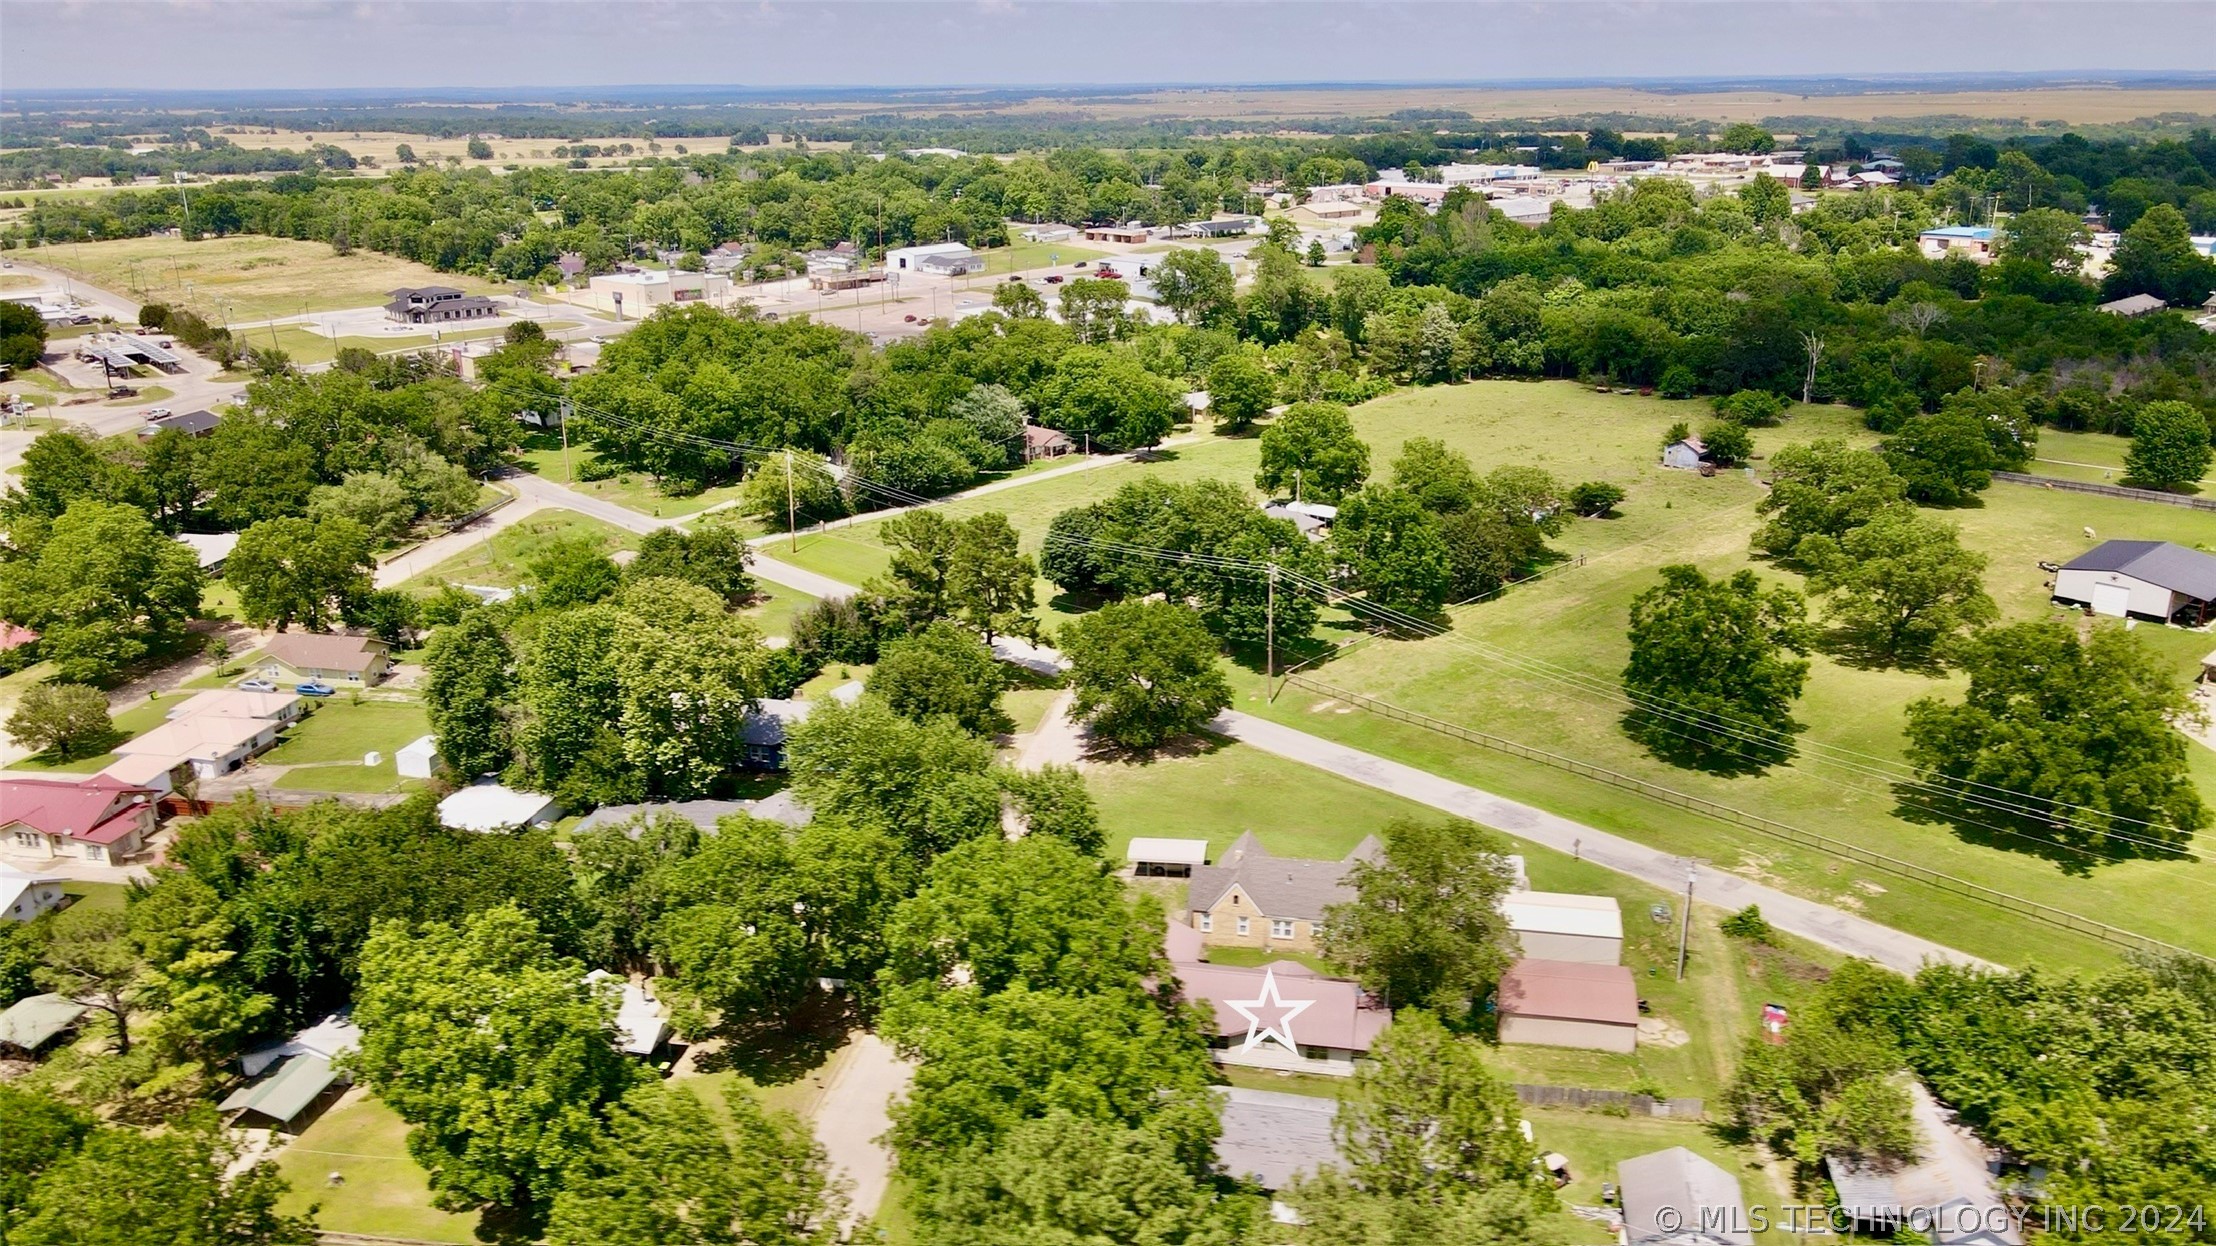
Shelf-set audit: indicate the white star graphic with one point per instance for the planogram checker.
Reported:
(1275, 1003)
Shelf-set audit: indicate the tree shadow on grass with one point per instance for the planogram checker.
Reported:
(774, 1053)
(92, 746)
(1851, 649)
(1197, 744)
(2076, 851)
(1688, 746)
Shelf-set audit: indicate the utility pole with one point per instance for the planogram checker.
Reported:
(1685, 919)
(569, 474)
(1269, 632)
(792, 525)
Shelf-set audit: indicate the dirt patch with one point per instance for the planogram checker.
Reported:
(1868, 888)
(1656, 1032)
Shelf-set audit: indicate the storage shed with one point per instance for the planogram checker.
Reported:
(1165, 858)
(1554, 1003)
(1554, 925)
(415, 758)
(2156, 580)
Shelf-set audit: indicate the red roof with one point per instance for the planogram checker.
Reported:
(13, 637)
(1320, 1011)
(1568, 991)
(96, 809)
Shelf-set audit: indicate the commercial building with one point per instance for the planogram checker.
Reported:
(2155, 580)
(951, 262)
(194, 424)
(1552, 1003)
(640, 292)
(1979, 242)
(438, 305)
(911, 258)
(1132, 234)
(1252, 899)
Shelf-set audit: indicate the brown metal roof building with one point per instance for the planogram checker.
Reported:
(1553, 1003)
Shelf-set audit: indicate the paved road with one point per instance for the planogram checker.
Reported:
(1820, 923)
(431, 553)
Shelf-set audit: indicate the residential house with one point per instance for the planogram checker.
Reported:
(764, 729)
(1553, 1003)
(1676, 1198)
(2156, 580)
(437, 305)
(211, 549)
(640, 1025)
(1151, 857)
(333, 659)
(94, 818)
(293, 1076)
(13, 638)
(1979, 242)
(1041, 442)
(843, 258)
(1272, 1138)
(571, 265)
(213, 738)
(2133, 305)
(779, 807)
(1252, 899)
(1282, 1015)
(25, 896)
(1554, 925)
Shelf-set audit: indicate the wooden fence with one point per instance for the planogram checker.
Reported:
(2108, 491)
(2113, 935)
(1635, 1104)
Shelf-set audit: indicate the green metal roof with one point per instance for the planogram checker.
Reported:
(284, 1094)
(32, 1023)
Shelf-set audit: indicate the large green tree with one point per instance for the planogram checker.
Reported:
(1239, 391)
(104, 587)
(1145, 672)
(468, 679)
(1431, 1151)
(1834, 1087)
(495, 1050)
(1943, 459)
(300, 571)
(66, 720)
(2169, 447)
(2156, 256)
(2025, 746)
(1424, 928)
(1822, 488)
(1312, 451)
(928, 785)
(1898, 586)
(128, 1188)
(1714, 669)
(1396, 549)
(713, 555)
(1196, 285)
(670, 1173)
(943, 670)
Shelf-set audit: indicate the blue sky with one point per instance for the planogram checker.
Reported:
(215, 44)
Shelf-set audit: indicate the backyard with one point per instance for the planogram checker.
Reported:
(542, 456)
(501, 561)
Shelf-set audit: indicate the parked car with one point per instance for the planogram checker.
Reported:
(1106, 273)
(256, 685)
(314, 688)
(909, 319)
(1078, 264)
(1054, 279)
(157, 413)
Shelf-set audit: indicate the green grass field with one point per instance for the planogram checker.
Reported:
(304, 345)
(245, 277)
(500, 562)
(1575, 618)
(542, 456)
(2097, 457)
(382, 1191)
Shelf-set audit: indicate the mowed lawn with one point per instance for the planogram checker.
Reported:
(542, 456)
(246, 277)
(381, 1190)
(502, 562)
(1499, 671)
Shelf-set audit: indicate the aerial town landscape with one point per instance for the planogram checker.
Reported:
(1167, 631)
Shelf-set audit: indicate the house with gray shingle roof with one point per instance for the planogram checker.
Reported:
(1252, 899)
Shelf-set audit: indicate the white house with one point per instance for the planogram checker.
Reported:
(25, 896)
(2154, 580)
(1686, 454)
(1554, 925)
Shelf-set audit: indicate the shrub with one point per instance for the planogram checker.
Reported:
(1677, 381)
(1753, 408)
(1749, 924)
(1595, 498)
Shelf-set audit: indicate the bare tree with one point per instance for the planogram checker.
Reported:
(1918, 316)
(1815, 347)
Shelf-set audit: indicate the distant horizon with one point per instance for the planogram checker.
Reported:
(405, 46)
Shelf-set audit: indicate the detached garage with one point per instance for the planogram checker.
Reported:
(1553, 1003)
(2156, 580)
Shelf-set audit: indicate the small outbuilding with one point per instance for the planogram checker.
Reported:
(1686, 454)
(416, 758)
(1554, 925)
(640, 1025)
(2156, 580)
(1682, 1199)
(2134, 305)
(495, 807)
(29, 1024)
(1554, 1003)
(25, 896)
(1273, 1138)
(1151, 857)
